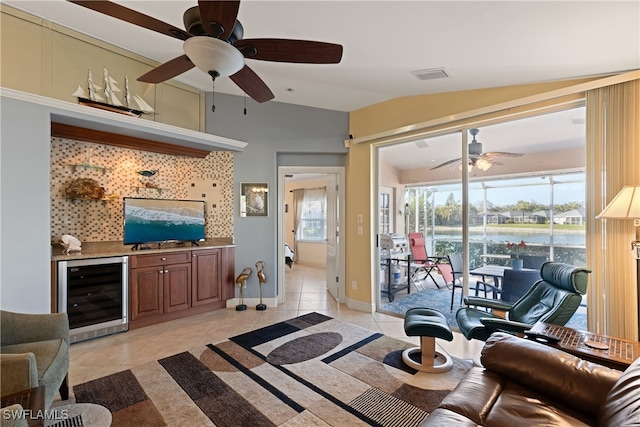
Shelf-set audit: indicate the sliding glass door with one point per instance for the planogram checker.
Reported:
(519, 181)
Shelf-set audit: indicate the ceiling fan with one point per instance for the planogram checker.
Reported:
(477, 158)
(213, 43)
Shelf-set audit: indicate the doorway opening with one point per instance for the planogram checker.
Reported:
(310, 221)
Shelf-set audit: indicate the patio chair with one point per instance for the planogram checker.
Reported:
(515, 283)
(533, 261)
(552, 299)
(452, 274)
(421, 263)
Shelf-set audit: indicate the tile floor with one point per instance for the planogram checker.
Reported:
(306, 292)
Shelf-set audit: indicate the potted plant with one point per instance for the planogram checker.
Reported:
(516, 249)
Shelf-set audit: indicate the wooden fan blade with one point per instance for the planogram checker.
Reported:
(288, 50)
(498, 154)
(167, 70)
(453, 164)
(129, 15)
(252, 85)
(218, 17)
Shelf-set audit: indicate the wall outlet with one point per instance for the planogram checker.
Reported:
(359, 230)
(354, 284)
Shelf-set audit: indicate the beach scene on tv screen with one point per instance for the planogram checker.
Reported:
(157, 220)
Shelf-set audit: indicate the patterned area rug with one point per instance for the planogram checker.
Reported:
(308, 371)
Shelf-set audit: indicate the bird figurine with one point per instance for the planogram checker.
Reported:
(71, 243)
(148, 173)
(241, 281)
(261, 280)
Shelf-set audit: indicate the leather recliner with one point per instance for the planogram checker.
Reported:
(553, 299)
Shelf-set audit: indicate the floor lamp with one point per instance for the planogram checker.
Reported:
(626, 205)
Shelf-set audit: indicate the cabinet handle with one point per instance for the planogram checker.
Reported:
(166, 271)
(194, 255)
(161, 271)
(163, 259)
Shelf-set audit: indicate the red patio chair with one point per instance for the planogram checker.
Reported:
(421, 263)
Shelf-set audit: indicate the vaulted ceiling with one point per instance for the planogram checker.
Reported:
(479, 44)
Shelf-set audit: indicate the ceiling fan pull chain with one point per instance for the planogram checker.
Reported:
(245, 104)
(213, 96)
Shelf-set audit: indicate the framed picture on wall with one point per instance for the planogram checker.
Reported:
(254, 199)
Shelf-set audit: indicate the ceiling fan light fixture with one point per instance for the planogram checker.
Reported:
(482, 164)
(210, 54)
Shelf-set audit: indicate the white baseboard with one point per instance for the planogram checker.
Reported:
(365, 307)
(311, 264)
(360, 306)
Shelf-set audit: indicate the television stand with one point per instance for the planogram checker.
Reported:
(142, 247)
(139, 246)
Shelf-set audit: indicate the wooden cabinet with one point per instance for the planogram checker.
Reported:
(166, 286)
(206, 282)
(159, 284)
(147, 292)
(177, 287)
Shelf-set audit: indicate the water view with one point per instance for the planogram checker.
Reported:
(560, 237)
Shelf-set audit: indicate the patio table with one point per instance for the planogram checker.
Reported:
(495, 272)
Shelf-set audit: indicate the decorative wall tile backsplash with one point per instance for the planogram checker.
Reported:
(116, 169)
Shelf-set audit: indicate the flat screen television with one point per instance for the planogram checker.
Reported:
(163, 220)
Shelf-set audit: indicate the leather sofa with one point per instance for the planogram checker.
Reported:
(526, 383)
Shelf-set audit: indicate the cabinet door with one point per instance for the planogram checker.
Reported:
(146, 292)
(177, 287)
(207, 276)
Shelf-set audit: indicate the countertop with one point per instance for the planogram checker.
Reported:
(117, 248)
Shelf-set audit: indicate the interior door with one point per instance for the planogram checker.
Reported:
(333, 234)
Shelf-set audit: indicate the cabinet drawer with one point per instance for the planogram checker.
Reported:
(160, 259)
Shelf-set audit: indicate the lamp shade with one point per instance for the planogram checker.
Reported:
(211, 54)
(626, 204)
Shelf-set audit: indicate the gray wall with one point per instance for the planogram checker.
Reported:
(313, 137)
(293, 135)
(24, 201)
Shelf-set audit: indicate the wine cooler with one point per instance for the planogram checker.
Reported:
(93, 292)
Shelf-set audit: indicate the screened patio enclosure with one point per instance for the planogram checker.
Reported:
(524, 181)
(546, 212)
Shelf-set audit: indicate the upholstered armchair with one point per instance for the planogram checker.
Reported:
(552, 299)
(34, 350)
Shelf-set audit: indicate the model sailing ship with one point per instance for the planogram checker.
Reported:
(133, 105)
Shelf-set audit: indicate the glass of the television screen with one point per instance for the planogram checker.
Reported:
(159, 221)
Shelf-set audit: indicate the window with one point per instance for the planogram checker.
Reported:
(546, 211)
(313, 221)
(385, 210)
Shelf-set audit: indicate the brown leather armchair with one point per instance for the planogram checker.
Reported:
(524, 382)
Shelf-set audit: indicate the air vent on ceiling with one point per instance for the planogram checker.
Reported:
(431, 74)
